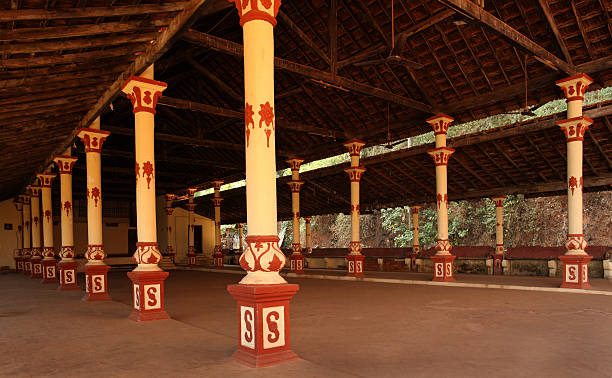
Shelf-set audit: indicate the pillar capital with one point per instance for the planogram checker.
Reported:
(354, 146)
(575, 128)
(415, 208)
(143, 93)
(440, 123)
(265, 10)
(25, 199)
(441, 155)
(34, 190)
(295, 185)
(170, 197)
(295, 163)
(46, 179)
(217, 201)
(191, 206)
(239, 225)
(499, 200)
(574, 87)
(191, 191)
(307, 219)
(93, 139)
(217, 184)
(355, 173)
(169, 210)
(65, 163)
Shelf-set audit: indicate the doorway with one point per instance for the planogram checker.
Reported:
(197, 238)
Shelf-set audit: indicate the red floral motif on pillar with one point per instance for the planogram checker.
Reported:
(262, 254)
(147, 169)
(137, 170)
(36, 221)
(266, 114)
(95, 195)
(27, 225)
(248, 120)
(574, 183)
(67, 207)
(48, 215)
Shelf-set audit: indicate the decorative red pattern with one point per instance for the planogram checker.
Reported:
(248, 120)
(137, 170)
(354, 146)
(574, 183)
(266, 115)
(262, 254)
(147, 170)
(48, 215)
(67, 207)
(95, 195)
(93, 139)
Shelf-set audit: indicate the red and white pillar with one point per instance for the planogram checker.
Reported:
(308, 238)
(148, 278)
(443, 260)
(354, 260)
(575, 261)
(49, 263)
(191, 252)
(96, 283)
(36, 259)
(498, 256)
(263, 295)
(17, 253)
(67, 267)
(416, 248)
(296, 260)
(171, 226)
(217, 199)
(26, 252)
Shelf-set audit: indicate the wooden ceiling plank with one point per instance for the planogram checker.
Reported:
(216, 80)
(37, 61)
(553, 26)
(585, 38)
(302, 36)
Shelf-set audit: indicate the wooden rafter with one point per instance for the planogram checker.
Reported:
(555, 29)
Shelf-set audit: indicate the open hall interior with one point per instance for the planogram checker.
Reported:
(168, 167)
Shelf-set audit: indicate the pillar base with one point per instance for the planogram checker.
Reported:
(218, 260)
(296, 263)
(413, 267)
(96, 286)
(18, 264)
(49, 271)
(191, 260)
(148, 296)
(67, 275)
(263, 323)
(354, 265)
(27, 266)
(37, 270)
(497, 264)
(172, 255)
(575, 271)
(443, 268)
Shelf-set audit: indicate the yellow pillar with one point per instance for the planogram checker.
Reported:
(17, 253)
(171, 226)
(49, 264)
(147, 278)
(240, 227)
(354, 259)
(443, 260)
(416, 247)
(307, 220)
(67, 267)
(263, 295)
(26, 252)
(575, 261)
(296, 260)
(96, 284)
(191, 252)
(35, 223)
(498, 256)
(217, 199)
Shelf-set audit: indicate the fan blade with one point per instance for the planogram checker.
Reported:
(537, 107)
(369, 62)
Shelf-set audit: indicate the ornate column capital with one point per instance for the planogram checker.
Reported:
(239, 225)
(65, 163)
(191, 206)
(18, 204)
(93, 139)
(217, 201)
(169, 210)
(34, 190)
(170, 197)
(575, 128)
(574, 87)
(249, 10)
(143, 93)
(191, 191)
(354, 146)
(295, 185)
(355, 173)
(415, 208)
(217, 185)
(441, 155)
(46, 179)
(25, 199)
(440, 123)
(307, 219)
(295, 163)
(499, 200)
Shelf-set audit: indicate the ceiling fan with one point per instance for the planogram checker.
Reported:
(390, 145)
(394, 55)
(526, 111)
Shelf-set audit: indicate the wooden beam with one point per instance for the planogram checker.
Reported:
(470, 8)
(419, 27)
(236, 49)
(194, 162)
(215, 79)
(301, 35)
(363, 55)
(553, 26)
(98, 72)
(196, 106)
(89, 12)
(332, 24)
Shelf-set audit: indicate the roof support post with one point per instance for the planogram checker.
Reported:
(355, 171)
(296, 260)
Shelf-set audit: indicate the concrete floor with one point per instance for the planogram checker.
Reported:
(338, 328)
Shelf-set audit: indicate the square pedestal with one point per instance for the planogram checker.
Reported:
(296, 263)
(67, 275)
(263, 323)
(148, 296)
(37, 270)
(96, 284)
(497, 263)
(19, 264)
(27, 266)
(171, 255)
(413, 267)
(354, 265)
(49, 271)
(191, 259)
(218, 260)
(576, 271)
(443, 268)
